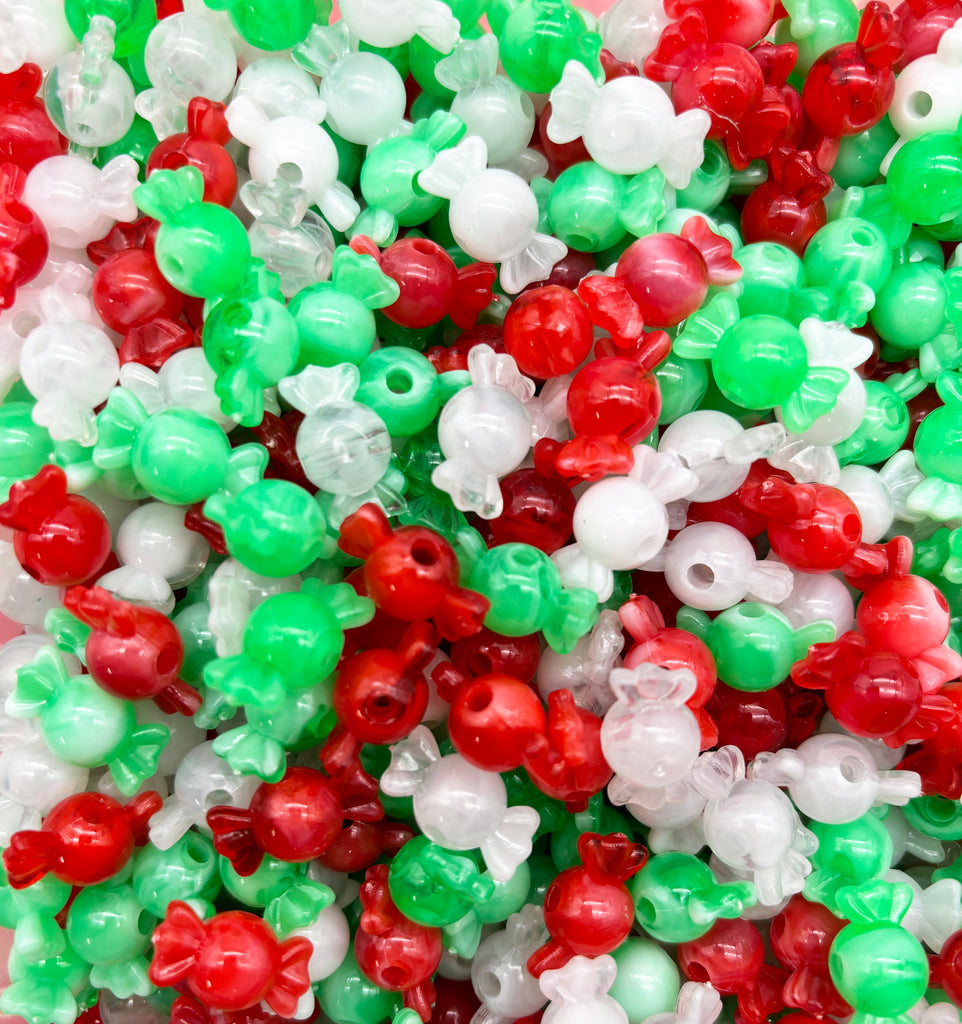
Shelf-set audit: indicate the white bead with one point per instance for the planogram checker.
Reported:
(365, 98)
(153, 539)
(494, 216)
(619, 523)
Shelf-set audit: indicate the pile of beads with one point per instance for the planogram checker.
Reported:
(480, 500)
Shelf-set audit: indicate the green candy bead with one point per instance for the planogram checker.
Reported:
(883, 429)
(333, 327)
(647, 981)
(201, 248)
(180, 456)
(753, 644)
(507, 898)
(910, 308)
(938, 443)
(539, 37)
(187, 871)
(31, 913)
(709, 182)
(271, 879)
(584, 207)
(816, 26)
(200, 644)
(433, 886)
(25, 447)
(760, 362)
(272, 26)
(138, 142)
(47, 991)
(925, 178)
(860, 156)
(771, 275)
(133, 19)
(678, 899)
(526, 596)
(848, 854)
(935, 816)
(347, 997)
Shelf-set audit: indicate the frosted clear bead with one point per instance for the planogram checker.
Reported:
(459, 805)
(34, 31)
(153, 539)
(365, 98)
(500, 113)
(698, 439)
(344, 447)
(188, 56)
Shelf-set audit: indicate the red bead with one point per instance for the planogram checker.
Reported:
(129, 291)
(456, 1001)
(488, 651)
(548, 332)
(361, 843)
(949, 976)
(538, 510)
(753, 722)
(59, 538)
(615, 396)
(742, 22)
(850, 86)
(153, 343)
(432, 287)
(231, 961)
(23, 238)
(921, 24)
(27, 134)
(201, 146)
(588, 909)
(84, 840)
(907, 615)
(133, 652)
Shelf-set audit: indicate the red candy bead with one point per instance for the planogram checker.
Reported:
(753, 722)
(907, 615)
(538, 510)
(59, 538)
(84, 840)
(130, 291)
(488, 651)
(742, 22)
(27, 134)
(548, 332)
(23, 238)
(588, 909)
(921, 24)
(231, 961)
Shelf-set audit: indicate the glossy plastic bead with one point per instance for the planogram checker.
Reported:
(231, 961)
(581, 987)
(28, 135)
(187, 871)
(499, 972)
(84, 840)
(23, 240)
(30, 914)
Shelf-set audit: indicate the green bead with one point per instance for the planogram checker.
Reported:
(760, 362)
(507, 898)
(347, 997)
(935, 816)
(771, 275)
(543, 873)
(860, 156)
(598, 818)
(938, 443)
(108, 925)
(271, 26)
(878, 967)
(584, 207)
(647, 981)
(468, 13)
(539, 37)
(526, 596)
(180, 456)
(846, 251)
(83, 724)
(883, 429)
(333, 326)
(31, 912)
(433, 886)
(187, 871)
(349, 158)
(921, 247)
(25, 447)
(424, 61)
(138, 142)
(46, 991)
(394, 55)
(200, 644)
(677, 898)
(910, 307)
(133, 19)
(925, 178)
(709, 182)
(271, 879)
(848, 854)
(827, 23)
(389, 179)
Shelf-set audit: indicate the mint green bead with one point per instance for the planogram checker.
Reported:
(678, 899)
(507, 898)
(925, 178)
(910, 308)
(709, 181)
(848, 854)
(539, 37)
(584, 207)
(200, 644)
(133, 20)
(31, 912)
(860, 156)
(845, 251)
(879, 968)
(187, 871)
(347, 997)
(935, 816)
(83, 724)
(833, 22)
(333, 326)
(760, 362)
(180, 456)
(25, 447)
(883, 429)
(272, 26)
(468, 13)
(938, 443)
(47, 991)
(921, 247)
(771, 275)
(271, 879)
(389, 180)
(647, 981)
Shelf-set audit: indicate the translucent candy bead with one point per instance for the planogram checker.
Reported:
(713, 566)
(459, 806)
(586, 669)
(203, 780)
(186, 56)
(484, 432)
(300, 256)
(35, 31)
(280, 88)
(32, 781)
(499, 973)
(493, 214)
(580, 988)
(630, 28)
(386, 23)
(834, 779)
(89, 96)
(628, 125)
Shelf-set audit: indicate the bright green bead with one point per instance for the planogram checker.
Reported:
(921, 247)
(272, 878)
(403, 388)
(333, 326)
(925, 178)
(108, 925)
(860, 156)
(46, 991)
(205, 253)
(677, 898)
(269, 25)
(138, 142)
(770, 274)
(420, 883)
(938, 443)
(647, 981)
(910, 307)
(847, 854)
(935, 816)
(584, 207)
(188, 870)
(200, 644)
(539, 37)
(24, 446)
(468, 12)
(272, 527)
(389, 180)
(835, 22)
(424, 61)
(526, 596)
(394, 55)
(599, 818)
(846, 250)
(133, 19)
(878, 967)
(83, 724)
(350, 156)
(682, 383)
(709, 182)
(883, 429)
(180, 456)
(760, 362)
(347, 997)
